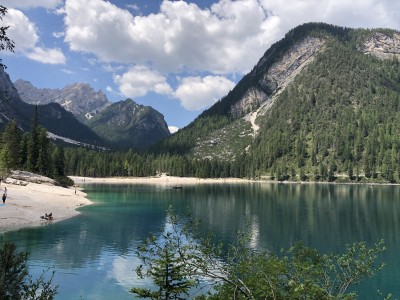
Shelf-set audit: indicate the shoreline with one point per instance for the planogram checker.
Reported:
(165, 180)
(157, 180)
(26, 204)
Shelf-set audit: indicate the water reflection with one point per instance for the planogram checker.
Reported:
(98, 246)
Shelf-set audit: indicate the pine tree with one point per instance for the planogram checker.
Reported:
(15, 281)
(43, 165)
(33, 143)
(59, 162)
(23, 151)
(165, 261)
(11, 139)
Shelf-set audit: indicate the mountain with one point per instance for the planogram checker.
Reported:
(321, 102)
(60, 124)
(125, 124)
(79, 98)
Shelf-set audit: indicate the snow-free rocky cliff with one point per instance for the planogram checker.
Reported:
(257, 100)
(79, 98)
(383, 46)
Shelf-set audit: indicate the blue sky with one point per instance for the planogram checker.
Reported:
(179, 57)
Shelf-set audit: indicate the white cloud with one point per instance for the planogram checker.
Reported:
(58, 34)
(140, 80)
(356, 13)
(31, 3)
(109, 89)
(21, 31)
(66, 71)
(133, 6)
(173, 129)
(180, 37)
(197, 93)
(24, 34)
(47, 56)
(228, 37)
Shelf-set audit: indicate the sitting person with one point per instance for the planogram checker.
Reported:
(48, 217)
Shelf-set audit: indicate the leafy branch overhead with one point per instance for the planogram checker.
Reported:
(5, 42)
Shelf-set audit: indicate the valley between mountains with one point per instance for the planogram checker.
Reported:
(322, 104)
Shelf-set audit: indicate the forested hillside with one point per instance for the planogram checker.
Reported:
(220, 114)
(321, 104)
(126, 124)
(52, 116)
(341, 114)
(31, 151)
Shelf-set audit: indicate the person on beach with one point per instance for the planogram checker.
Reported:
(4, 198)
(5, 191)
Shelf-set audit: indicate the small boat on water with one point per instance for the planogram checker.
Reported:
(177, 187)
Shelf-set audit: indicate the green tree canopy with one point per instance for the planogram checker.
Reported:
(239, 271)
(15, 281)
(5, 42)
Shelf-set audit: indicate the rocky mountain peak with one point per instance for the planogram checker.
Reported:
(78, 98)
(138, 126)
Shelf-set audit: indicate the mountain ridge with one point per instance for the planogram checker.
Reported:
(78, 98)
(131, 130)
(280, 118)
(137, 126)
(52, 116)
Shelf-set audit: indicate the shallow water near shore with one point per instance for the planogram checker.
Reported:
(93, 254)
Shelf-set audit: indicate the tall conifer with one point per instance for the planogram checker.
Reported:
(33, 143)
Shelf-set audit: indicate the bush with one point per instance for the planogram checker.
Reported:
(15, 281)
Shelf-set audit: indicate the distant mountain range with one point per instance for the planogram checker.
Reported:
(79, 98)
(321, 103)
(79, 115)
(60, 123)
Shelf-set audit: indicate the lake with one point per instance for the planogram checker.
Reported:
(93, 254)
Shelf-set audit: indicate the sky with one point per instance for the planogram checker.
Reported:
(179, 57)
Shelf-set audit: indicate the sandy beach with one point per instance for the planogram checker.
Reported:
(25, 205)
(156, 180)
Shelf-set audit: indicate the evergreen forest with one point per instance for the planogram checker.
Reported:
(32, 151)
(338, 120)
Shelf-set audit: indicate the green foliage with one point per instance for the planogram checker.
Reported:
(10, 143)
(15, 281)
(337, 121)
(33, 143)
(343, 111)
(164, 259)
(5, 42)
(32, 152)
(248, 273)
(184, 140)
(125, 125)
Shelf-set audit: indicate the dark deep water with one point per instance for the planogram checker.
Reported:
(94, 254)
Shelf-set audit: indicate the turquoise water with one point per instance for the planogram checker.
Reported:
(93, 254)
